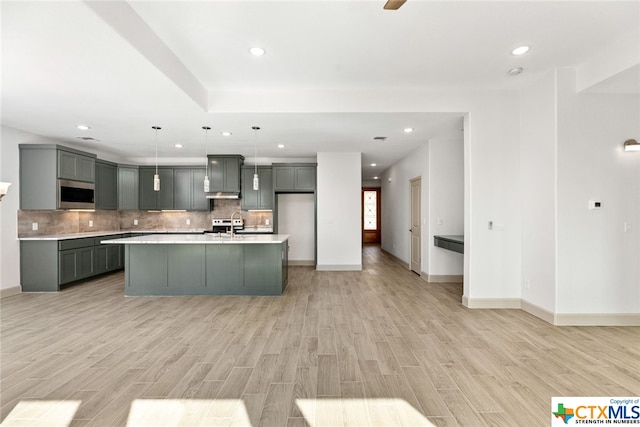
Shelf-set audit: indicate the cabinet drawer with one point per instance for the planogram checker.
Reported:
(441, 243)
(456, 247)
(76, 243)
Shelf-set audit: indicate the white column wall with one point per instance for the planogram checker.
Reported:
(446, 203)
(339, 187)
(598, 262)
(538, 197)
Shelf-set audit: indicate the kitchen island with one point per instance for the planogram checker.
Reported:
(205, 264)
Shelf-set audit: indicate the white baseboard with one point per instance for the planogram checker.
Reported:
(490, 302)
(404, 264)
(442, 278)
(297, 263)
(339, 267)
(557, 319)
(539, 312)
(597, 319)
(13, 290)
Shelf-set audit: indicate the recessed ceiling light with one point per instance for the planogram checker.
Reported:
(408, 130)
(373, 165)
(178, 145)
(83, 127)
(280, 145)
(520, 50)
(376, 177)
(515, 71)
(226, 133)
(257, 51)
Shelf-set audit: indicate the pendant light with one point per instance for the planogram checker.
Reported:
(256, 180)
(156, 177)
(206, 159)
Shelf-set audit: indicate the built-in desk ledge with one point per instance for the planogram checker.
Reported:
(453, 243)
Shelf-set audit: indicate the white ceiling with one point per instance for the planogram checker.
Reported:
(123, 67)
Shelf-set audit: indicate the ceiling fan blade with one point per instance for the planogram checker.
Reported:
(394, 4)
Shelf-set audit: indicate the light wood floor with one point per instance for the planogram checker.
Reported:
(373, 348)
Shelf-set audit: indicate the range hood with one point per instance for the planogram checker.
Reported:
(223, 195)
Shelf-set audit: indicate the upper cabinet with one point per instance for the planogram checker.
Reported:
(261, 199)
(224, 173)
(106, 192)
(76, 166)
(294, 177)
(128, 187)
(181, 188)
(40, 167)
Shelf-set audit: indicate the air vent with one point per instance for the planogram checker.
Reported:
(88, 138)
(379, 138)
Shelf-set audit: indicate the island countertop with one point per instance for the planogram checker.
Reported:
(200, 239)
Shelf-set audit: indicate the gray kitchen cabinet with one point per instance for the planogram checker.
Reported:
(156, 200)
(294, 177)
(76, 259)
(224, 173)
(75, 166)
(40, 167)
(106, 191)
(128, 187)
(261, 199)
(189, 189)
(45, 265)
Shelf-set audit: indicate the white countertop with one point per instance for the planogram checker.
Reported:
(105, 233)
(199, 239)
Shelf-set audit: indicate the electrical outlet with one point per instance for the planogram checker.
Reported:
(135, 222)
(188, 221)
(90, 223)
(627, 227)
(440, 221)
(267, 221)
(34, 226)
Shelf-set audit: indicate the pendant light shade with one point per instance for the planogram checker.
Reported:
(256, 180)
(206, 159)
(156, 177)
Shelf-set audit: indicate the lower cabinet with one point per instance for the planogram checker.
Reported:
(45, 265)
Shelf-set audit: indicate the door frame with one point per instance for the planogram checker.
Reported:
(415, 265)
(378, 232)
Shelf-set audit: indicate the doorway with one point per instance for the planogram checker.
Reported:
(371, 215)
(416, 229)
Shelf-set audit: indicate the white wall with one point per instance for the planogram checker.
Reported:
(339, 187)
(538, 196)
(396, 203)
(296, 217)
(598, 262)
(446, 204)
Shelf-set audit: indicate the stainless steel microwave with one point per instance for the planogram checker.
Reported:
(76, 194)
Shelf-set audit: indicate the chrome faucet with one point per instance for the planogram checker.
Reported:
(235, 212)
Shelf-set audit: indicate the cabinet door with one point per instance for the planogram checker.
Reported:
(231, 174)
(249, 195)
(265, 195)
(183, 188)
(199, 202)
(106, 186)
(305, 178)
(165, 195)
(101, 259)
(86, 262)
(67, 266)
(86, 168)
(148, 197)
(128, 188)
(114, 259)
(283, 178)
(67, 165)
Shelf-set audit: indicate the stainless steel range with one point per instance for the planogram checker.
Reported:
(219, 225)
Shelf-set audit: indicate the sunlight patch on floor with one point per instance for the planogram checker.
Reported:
(45, 413)
(187, 412)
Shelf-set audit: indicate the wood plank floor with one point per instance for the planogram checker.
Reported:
(374, 348)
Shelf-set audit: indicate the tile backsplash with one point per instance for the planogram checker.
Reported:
(68, 222)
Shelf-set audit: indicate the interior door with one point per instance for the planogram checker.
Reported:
(370, 215)
(416, 239)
